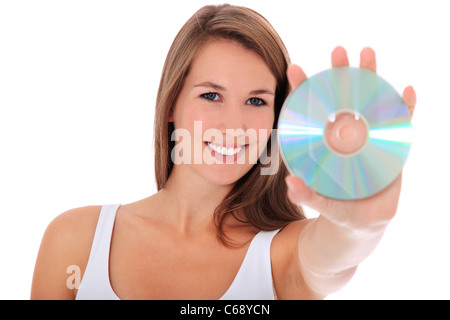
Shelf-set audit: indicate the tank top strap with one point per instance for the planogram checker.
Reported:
(103, 233)
(95, 283)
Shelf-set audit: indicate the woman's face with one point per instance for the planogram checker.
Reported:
(224, 113)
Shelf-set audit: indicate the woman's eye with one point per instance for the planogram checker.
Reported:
(256, 102)
(212, 96)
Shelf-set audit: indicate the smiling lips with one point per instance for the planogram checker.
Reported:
(225, 154)
(224, 150)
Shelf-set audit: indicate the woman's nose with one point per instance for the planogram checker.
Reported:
(233, 118)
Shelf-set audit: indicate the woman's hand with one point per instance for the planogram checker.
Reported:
(376, 210)
(330, 247)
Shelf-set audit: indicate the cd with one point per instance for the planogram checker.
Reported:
(346, 132)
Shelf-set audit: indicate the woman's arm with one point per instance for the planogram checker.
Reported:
(331, 246)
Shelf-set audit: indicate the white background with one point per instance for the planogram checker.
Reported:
(78, 81)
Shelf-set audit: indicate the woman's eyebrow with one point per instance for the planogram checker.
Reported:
(211, 85)
(262, 91)
(218, 87)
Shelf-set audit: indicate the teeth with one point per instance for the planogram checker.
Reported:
(224, 150)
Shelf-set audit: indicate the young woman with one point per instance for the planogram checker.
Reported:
(217, 228)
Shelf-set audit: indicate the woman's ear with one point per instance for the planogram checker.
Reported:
(171, 116)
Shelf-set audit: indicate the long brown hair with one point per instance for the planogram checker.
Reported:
(261, 198)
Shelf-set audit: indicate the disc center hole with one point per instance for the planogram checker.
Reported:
(346, 134)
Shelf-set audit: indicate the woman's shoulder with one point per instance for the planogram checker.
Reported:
(290, 231)
(66, 242)
(72, 231)
(285, 243)
(289, 284)
(74, 224)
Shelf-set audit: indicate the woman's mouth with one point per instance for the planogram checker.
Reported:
(224, 150)
(226, 154)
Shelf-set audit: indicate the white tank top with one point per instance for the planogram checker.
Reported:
(252, 282)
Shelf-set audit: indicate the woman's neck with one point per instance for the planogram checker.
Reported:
(191, 200)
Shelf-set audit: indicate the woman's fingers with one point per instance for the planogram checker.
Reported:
(300, 193)
(339, 57)
(410, 99)
(368, 59)
(295, 76)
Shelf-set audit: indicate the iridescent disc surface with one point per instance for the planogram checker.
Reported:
(316, 105)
